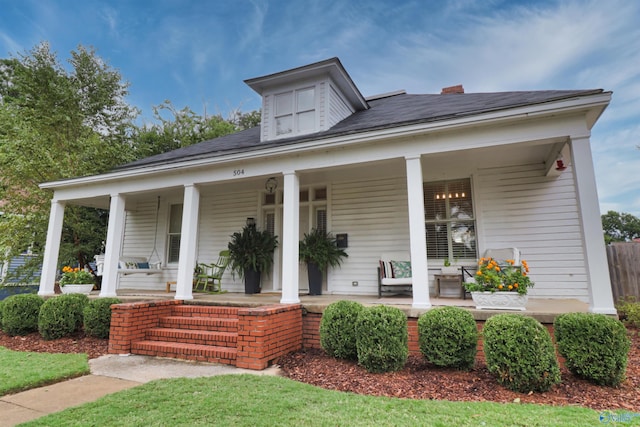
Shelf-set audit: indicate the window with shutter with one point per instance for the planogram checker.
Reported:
(321, 219)
(175, 230)
(449, 220)
(270, 223)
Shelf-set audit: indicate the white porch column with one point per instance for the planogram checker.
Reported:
(600, 295)
(290, 237)
(115, 229)
(52, 248)
(188, 242)
(417, 233)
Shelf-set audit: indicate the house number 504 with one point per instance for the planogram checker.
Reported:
(238, 172)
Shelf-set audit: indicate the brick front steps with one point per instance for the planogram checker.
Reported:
(205, 334)
(247, 337)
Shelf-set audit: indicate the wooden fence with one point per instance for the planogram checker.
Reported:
(624, 269)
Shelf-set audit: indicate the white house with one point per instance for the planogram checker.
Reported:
(441, 176)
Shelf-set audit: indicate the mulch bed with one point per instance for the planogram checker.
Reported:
(421, 380)
(79, 343)
(418, 380)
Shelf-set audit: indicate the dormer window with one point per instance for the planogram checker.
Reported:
(306, 99)
(295, 112)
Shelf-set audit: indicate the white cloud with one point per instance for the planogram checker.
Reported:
(616, 160)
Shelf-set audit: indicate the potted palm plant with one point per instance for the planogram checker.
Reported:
(319, 250)
(250, 255)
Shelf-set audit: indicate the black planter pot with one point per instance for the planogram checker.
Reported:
(315, 279)
(252, 282)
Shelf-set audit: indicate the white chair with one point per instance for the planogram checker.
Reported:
(386, 280)
(502, 255)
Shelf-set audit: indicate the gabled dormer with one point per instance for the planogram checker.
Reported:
(307, 99)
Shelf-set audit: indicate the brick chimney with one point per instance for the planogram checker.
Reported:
(452, 89)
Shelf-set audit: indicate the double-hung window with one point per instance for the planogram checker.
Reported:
(449, 220)
(295, 112)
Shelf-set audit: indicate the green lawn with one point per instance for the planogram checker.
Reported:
(23, 370)
(250, 400)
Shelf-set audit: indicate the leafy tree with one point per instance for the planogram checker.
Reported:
(184, 127)
(620, 227)
(55, 124)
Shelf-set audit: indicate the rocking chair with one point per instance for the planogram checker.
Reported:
(210, 275)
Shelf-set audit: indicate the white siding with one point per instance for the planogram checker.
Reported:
(338, 108)
(520, 207)
(140, 224)
(220, 216)
(374, 214)
(321, 102)
(265, 118)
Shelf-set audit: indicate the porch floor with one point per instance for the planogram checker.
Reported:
(543, 309)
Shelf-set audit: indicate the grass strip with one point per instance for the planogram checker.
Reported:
(21, 370)
(251, 400)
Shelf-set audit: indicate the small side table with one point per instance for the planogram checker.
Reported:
(169, 286)
(449, 280)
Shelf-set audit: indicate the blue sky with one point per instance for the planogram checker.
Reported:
(197, 53)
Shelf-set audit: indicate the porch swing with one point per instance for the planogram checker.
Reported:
(136, 264)
(141, 265)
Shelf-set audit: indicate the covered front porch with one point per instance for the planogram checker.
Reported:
(438, 195)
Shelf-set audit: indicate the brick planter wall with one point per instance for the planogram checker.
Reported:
(311, 330)
(130, 321)
(265, 333)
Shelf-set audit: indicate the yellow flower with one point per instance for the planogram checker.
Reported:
(510, 287)
(500, 286)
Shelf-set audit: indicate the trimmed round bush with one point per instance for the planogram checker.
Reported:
(82, 300)
(20, 314)
(61, 316)
(97, 317)
(595, 346)
(519, 352)
(338, 329)
(382, 339)
(448, 337)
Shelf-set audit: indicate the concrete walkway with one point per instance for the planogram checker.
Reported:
(109, 374)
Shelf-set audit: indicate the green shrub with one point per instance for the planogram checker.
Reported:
(1, 305)
(20, 314)
(61, 316)
(629, 311)
(519, 353)
(338, 329)
(382, 339)
(448, 337)
(97, 317)
(595, 346)
(82, 300)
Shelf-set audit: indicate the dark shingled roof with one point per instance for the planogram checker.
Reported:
(384, 113)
